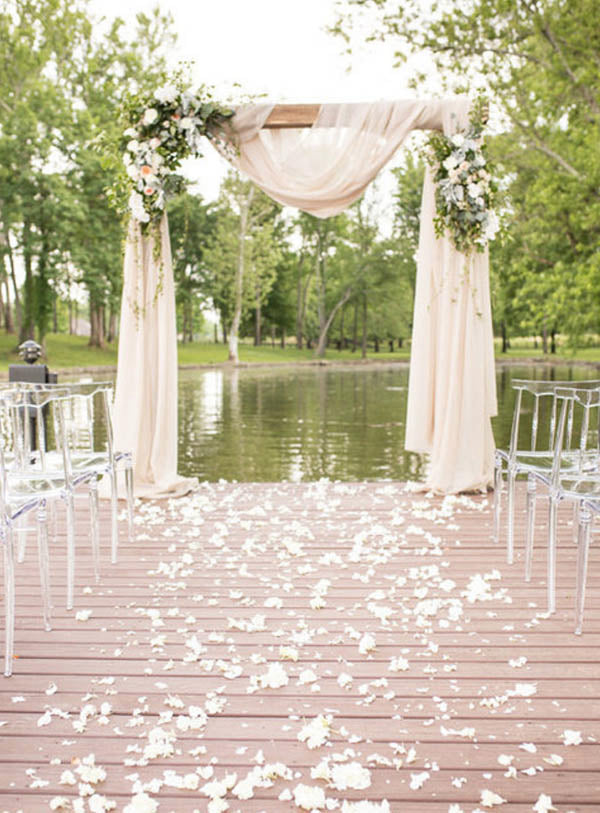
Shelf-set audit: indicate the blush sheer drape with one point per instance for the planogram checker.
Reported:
(322, 170)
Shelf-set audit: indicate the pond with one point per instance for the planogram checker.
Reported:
(302, 423)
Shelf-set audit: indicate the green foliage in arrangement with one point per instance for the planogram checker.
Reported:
(162, 129)
(465, 185)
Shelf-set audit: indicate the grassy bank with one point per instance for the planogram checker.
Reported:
(63, 351)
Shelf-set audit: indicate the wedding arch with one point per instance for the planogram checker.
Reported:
(319, 158)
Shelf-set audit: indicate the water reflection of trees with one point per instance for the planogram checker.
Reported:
(345, 424)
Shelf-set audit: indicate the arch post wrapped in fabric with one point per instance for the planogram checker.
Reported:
(322, 170)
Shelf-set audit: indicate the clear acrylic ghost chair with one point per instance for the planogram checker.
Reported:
(88, 425)
(588, 508)
(573, 475)
(16, 500)
(91, 403)
(530, 447)
(42, 460)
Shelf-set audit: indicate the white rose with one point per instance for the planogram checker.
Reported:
(450, 162)
(474, 190)
(133, 145)
(135, 201)
(130, 132)
(458, 139)
(133, 172)
(155, 142)
(150, 116)
(166, 94)
(186, 123)
(491, 226)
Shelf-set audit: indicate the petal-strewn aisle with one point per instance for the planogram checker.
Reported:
(303, 646)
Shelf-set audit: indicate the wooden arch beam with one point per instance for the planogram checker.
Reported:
(288, 116)
(291, 116)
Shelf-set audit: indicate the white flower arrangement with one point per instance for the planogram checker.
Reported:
(161, 132)
(465, 187)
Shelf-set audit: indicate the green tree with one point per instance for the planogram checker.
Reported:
(244, 255)
(37, 42)
(191, 225)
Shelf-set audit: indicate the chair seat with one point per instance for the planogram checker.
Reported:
(540, 462)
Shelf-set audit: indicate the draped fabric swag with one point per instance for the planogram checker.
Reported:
(322, 170)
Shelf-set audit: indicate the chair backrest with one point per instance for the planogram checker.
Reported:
(87, 413)
(539, 400)
(579, 406)
(38, 429)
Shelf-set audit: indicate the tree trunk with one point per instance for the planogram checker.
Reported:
(355, 329)
(391, 343)
(8, 317)
(70, 305)
(299, 306)
(504, 337)
(2, 308)
(545, 339)
(376, 340)
(322, 294)
(320, 351)
(55, 313)
(342, 339)
(553, 341)
(13, 277)
(96, 326)
(257, 318)
(364, 328)
(27, 325)
(112, 325)
(283, 338)
(239, 279)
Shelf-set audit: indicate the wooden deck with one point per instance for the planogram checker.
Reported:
(389, 613)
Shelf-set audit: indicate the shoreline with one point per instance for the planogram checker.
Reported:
(370, 362)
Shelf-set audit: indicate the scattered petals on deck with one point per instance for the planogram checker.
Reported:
(352, 647)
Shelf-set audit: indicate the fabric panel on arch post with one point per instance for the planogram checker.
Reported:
(324, 169)
(452, 385)
(145, 409)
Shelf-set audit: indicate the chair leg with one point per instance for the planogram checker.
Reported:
(70, 505)
(497, 500)
(42, 538)
(9, 601)
(114, 526)
(130, 502)
(21, 527)
(583, 546)
(95, 531)
(531, 496)
(510, 509)
(552, 519)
